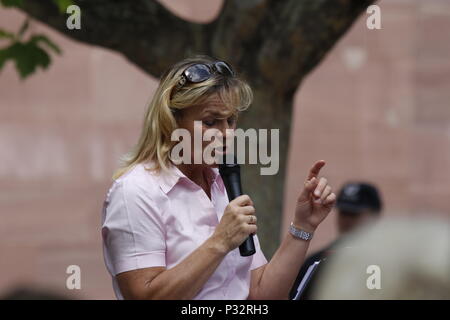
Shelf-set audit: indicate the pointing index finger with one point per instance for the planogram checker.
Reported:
(315, 169)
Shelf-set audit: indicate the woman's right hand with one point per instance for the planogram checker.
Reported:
(237, 223)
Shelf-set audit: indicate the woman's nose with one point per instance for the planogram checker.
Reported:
(226, 130)
(224, 126)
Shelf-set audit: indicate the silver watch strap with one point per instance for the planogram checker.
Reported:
(301, 234)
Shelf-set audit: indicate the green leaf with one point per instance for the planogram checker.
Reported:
(6, 35)
(27, 56)
(31, 57)
(63, 4)
(40, 38)
(24, 65)
(12, 3)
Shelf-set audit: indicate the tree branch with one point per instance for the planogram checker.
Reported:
(301, 34)
(147, 33)
(274, 43)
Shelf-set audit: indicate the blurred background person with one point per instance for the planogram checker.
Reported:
(358, 204)
(396, 258)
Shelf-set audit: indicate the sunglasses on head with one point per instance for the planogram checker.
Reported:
(202, 71)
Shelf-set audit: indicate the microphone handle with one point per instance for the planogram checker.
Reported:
(233, 186)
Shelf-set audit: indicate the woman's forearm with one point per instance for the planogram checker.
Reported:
(278, 276)
(275, 279)
(186, 279)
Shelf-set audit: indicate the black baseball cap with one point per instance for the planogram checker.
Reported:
(355, 197)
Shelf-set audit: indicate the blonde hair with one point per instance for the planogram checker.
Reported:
(155, 143)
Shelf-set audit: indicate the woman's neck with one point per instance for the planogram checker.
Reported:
(197, 174)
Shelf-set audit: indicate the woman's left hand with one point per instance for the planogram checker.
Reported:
(315, 201)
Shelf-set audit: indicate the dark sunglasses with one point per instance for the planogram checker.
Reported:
(201, 72)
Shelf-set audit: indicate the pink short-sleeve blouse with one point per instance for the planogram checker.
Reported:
(154, 219)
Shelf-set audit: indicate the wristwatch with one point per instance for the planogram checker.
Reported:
(301, 234)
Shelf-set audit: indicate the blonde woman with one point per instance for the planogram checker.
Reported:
(169, 230)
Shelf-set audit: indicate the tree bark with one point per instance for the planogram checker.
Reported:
(272, 44)
(268, 111)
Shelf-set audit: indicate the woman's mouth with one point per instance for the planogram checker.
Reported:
(220, 150)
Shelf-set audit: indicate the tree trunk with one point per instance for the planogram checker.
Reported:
(268, 111)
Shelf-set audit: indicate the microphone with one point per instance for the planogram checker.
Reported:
(231, 176)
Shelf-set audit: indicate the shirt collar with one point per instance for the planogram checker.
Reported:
(169, 178)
